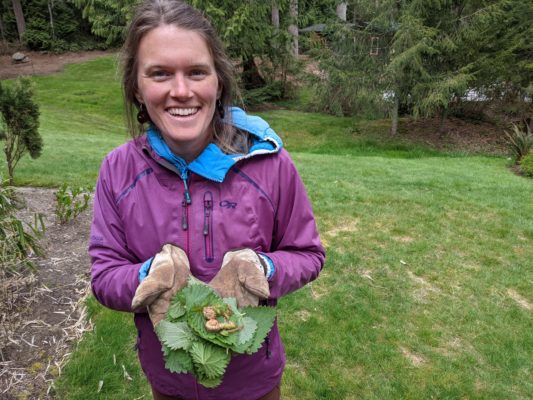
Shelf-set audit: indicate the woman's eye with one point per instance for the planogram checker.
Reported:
(198, 73)
(158, 74)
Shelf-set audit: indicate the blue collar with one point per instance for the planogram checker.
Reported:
(213, 163)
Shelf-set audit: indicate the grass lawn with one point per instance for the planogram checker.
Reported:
(428, 288)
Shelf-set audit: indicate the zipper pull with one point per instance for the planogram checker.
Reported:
(186, 200)
(208, 205)
(184, 224)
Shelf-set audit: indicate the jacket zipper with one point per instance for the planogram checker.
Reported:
(208, 226)
(184, 207)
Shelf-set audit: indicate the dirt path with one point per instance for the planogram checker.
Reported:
(42, 63)
(42, 315)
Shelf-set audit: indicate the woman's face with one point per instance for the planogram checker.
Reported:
(178, 84)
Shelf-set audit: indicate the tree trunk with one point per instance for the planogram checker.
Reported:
(251, 78)
(2, 31)
(8, 151)
(50, 11)
(293, 27)
(443, 116)
(275, 15)
(396, 106)
(341, 10)
(10, 172)
(19, 16)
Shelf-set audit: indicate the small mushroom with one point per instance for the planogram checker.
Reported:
(209, 313)
(212, 325)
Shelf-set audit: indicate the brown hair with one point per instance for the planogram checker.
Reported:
(153, 13)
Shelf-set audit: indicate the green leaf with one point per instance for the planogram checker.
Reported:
(232, 303)
(175, 335)
(179, 361)
(246, 335)
(264, 316)
(197, 295)
(176, 310)
(208, 382)
(210, 360)
(248, 330)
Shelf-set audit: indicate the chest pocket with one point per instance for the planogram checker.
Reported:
(225, 217)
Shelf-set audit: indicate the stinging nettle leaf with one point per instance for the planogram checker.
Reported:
(179, 361)
(209, 383)
(210, 360)
(176, 310)
(264, 316)
(248, 330)
(197, 295)
(176, 335)
(189, 348)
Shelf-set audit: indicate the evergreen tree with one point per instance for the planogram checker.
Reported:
(19, 126)
(422, 56)
(108, 18)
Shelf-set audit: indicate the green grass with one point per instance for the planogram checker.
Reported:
(427, 290)
(105, 356)
(81, 121)
(416, 300)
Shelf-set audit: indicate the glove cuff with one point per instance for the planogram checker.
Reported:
(268, 266)
(145, 268)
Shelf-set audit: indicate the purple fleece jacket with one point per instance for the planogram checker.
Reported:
(261, 204)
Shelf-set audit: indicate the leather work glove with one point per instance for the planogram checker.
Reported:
(242, 276)
(168, 273)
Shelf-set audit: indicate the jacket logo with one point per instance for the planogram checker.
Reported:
(227, 204)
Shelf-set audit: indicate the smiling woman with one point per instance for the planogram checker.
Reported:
(199, 180)
(179, 87)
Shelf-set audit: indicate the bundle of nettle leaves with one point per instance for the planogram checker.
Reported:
(201, 331)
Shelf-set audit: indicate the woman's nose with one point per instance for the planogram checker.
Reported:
(180, 87)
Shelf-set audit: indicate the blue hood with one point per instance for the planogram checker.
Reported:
(213, 163)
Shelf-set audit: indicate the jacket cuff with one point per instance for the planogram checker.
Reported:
(270, 268)
(145, 268)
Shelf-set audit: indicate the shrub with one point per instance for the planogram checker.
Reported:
(19, 123)
(70, 202)
(520, 142)
(16, 243)
(526, 164)
(269, 92)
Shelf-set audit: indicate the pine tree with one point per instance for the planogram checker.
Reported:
(423, 56)
(108, 18)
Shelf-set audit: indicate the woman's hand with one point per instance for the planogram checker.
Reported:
(168, 273)
(242, 276)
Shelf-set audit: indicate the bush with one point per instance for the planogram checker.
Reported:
(526, 164)
(520, 142)
(267, 93)
(16, 243)
(70, 202)
(19, 123)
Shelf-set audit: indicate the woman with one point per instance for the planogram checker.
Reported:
(206, 191)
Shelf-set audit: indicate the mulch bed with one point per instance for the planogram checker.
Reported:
(42, 313)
